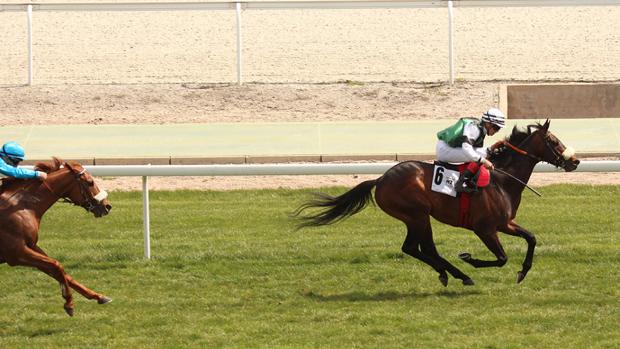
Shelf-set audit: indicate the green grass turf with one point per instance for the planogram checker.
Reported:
(230, 270)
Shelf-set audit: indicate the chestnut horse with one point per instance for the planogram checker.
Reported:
(22, 205)
(404, 193)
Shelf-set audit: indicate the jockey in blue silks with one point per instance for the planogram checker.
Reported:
(11, 154)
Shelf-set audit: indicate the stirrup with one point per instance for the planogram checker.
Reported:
(465, 186)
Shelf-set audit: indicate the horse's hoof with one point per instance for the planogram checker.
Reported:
(444, 280)
(465, 256)
(69, 311)
(104, 300)
(468, 282)
(520, 276)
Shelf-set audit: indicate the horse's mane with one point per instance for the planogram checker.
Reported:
(504, 155)
(47, 167)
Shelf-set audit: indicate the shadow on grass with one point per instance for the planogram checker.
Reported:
(385, 296)
(44, 332)
(30, 332)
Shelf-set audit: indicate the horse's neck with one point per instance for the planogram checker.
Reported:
(49, 192)
(521, 167)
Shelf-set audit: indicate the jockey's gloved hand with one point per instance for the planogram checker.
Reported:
(42, 176)
(486, 163)
(496, 146)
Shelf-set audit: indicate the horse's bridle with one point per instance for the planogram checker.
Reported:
(560, 157)
(90, 201)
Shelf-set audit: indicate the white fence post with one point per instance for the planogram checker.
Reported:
(451, 40)
(146, 217)
(239, 63)
(29, 14)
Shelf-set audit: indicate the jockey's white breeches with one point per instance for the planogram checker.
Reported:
(467, 153)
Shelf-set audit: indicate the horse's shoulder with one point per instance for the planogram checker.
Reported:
(15, 192)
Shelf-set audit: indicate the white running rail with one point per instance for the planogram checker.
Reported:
(146, 171)
(276, 169)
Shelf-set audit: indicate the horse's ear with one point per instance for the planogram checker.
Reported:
(546, 125)
(57, 162)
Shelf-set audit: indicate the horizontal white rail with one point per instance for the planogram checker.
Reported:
(283, 5)
(128, 6)
(146, 171)
(533, 3)
(294, 169)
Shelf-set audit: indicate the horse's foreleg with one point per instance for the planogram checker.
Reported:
(51, 267)
(514, 229)
(81, 289)
(491, 240)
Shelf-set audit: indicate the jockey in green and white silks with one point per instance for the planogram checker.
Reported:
(11, 154)
(464, 141)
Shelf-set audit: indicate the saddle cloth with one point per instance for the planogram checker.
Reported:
(445, 176)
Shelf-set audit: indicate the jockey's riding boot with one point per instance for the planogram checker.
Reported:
(465, 183)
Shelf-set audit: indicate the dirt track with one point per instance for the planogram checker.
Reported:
(204, 103)
(313, 46)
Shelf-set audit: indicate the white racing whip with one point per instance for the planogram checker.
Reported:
(518, 180)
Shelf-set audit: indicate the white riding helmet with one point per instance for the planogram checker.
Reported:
(495, 117)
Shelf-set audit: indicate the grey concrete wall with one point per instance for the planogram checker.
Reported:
(563, 101)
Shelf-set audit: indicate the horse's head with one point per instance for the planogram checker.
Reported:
(86, 193)
(73, 183)
(545, 146)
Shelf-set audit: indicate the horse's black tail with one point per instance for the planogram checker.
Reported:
(336, 208)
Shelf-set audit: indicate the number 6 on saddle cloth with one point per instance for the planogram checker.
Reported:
(445, 176)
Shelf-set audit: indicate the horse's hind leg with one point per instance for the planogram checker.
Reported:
(419, 244)
(428, 248)
(411, 246)
(50, 266)
(81, 289)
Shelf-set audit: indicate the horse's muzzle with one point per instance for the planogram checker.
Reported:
(102, 210)
(571, 164)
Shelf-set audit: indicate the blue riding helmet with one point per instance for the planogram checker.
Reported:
(13, 151)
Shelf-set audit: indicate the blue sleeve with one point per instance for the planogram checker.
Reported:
(17, 172)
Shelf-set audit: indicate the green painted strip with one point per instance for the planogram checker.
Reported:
(275, 139)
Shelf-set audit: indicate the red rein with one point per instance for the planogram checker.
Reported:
(520, 151)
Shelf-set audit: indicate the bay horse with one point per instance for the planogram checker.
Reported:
(22, 205)
(404, 192)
